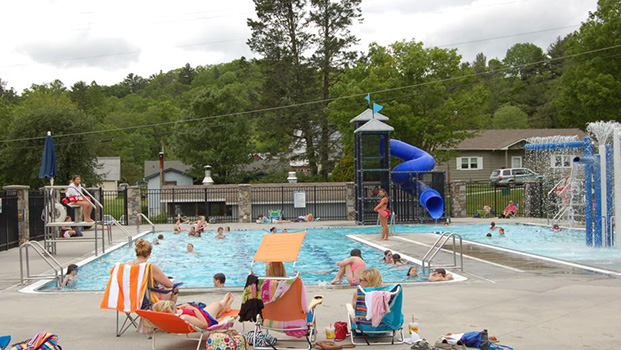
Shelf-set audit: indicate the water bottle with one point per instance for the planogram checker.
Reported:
(484, 341)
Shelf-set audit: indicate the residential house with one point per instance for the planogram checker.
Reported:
(174, 174)
(109, 168)
(477, 157)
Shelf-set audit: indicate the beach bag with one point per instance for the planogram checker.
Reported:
(229, 340)
(41, 341)
(263, 339)
(340, 331)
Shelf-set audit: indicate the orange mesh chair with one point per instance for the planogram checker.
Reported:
(128, 291)
(171, 323)
(285, 312)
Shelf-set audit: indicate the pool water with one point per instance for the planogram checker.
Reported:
(321, 249)
(568, 245)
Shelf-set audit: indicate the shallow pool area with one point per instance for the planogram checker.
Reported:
(568, 245)
(321, 249)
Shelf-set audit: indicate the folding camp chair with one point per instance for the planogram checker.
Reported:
(275, 214)
(286, 312)
(129, 290)
(171, 323)
(391, 324)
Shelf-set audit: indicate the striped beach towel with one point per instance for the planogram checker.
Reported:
(127, 287)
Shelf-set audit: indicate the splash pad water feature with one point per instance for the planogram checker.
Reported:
(599, 192)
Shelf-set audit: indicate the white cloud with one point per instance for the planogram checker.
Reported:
(58, 39)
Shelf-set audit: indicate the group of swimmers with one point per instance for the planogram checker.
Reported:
(493, 227)
(353, 266)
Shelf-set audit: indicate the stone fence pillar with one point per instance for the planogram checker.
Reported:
(350, 201)
(459, 200)
(134, 206)
(23, 215)
(244, 203)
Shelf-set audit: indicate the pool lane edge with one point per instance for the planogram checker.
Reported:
(35, 287)
(456, 277)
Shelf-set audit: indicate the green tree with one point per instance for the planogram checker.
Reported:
(433, 114)
(224, 143)
(186, 75)
(281, 35)
(591, 82)
(509, 117)
(524, 60)
(46, 109)
(333, 20)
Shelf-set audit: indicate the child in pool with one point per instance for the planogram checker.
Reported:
(412, 272)
(71, 278)
(220, 234)
(556, 228)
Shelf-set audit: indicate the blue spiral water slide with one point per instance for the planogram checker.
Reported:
(416, 160)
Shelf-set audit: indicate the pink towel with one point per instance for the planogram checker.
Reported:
(378, 305)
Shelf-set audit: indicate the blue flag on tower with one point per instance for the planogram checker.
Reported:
(368, 98)
(376, 107)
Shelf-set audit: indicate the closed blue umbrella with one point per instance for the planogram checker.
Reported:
(48, 162)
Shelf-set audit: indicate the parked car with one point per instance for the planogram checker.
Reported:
(513, 177)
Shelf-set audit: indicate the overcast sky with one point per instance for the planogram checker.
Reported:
(105, 40)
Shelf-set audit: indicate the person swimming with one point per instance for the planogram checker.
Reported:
(489, 234)
(501, 231)
(412, 272)
(556, 228)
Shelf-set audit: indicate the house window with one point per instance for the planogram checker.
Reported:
(561, 161)
(170, 183)
(516, 162)
(469, 163)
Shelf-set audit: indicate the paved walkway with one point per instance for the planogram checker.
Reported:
(528, 304)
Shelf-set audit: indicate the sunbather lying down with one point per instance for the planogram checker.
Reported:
(468, 339)
(197, 315)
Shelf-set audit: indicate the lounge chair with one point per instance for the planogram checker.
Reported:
(171, 323)
(286, 311)
(4, 341)
(128, 290)
(391, 324)
(275, 214)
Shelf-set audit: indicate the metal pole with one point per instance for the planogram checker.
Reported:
(602, 188)
(598, 202)
(616, 137)
(21, 266)
(588, 213)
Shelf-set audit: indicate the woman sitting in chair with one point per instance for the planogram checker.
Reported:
(197, 315)
(143, 252)
(370, 278)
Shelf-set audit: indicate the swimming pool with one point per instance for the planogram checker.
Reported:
(232, 256)
(568, 245)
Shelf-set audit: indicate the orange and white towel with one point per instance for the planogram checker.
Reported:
(127, 286)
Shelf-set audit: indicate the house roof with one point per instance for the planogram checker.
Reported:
(502, 139)
(374, 125)
(167, 170)
(153, 167)
(110, 168)
(368, 115)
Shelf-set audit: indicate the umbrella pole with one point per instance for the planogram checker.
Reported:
(51, 181)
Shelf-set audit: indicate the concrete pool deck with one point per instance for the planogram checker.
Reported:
(527, 303)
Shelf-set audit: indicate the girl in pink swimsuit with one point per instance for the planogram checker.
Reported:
(383, 213)
(351, 268)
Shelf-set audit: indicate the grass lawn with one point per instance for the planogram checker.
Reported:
(480, 195)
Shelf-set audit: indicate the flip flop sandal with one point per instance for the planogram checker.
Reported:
(330, 345)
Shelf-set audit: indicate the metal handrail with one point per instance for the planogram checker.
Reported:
(92, 197)
(141, 215)
(47, 257)
(438, 246)
(558, 183)
(117, 224)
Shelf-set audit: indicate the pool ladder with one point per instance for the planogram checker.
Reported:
(46, 256)
(438, 246)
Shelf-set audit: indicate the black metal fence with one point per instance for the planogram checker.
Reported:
(9, 234)
(324, 202)
(482, 194)
(115, 204)
(216, 203)
(36, 204)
